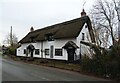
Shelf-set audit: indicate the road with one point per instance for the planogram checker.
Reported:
(20, 71)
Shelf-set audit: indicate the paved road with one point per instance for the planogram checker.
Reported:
(20, 71)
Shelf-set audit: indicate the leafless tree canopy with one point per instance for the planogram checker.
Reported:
(8, 39)
(105, 17)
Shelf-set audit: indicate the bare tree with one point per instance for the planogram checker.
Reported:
(8, 39)
(117, 9)
(105, 20)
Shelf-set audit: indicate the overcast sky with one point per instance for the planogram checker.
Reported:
(22, 14)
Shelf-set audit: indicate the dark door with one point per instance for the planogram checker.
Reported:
(32, 53)
(31, 49)
(71, 53)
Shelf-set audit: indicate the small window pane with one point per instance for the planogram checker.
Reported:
(83, 36)
(50, 38)
(58, 52)
(46, 51)
(37, 52)
(86, 26)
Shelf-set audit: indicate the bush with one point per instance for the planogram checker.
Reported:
(107, 65)
(11, 50)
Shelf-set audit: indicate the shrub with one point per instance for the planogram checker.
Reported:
(107, 64)
(11, 50)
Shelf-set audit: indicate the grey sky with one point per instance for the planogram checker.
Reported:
(22, 14)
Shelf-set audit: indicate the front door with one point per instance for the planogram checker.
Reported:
(32, 53)
(71, 53)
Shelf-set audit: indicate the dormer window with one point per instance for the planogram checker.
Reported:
(49, 37)
(32, 39)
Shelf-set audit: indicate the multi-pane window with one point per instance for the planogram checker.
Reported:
(49, 37)
(37, 51)
(46, 51)
(32, 39)
(58, 52)
(83, 36)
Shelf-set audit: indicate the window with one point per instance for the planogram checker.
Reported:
(83, 36)
(49, 37)
(58, 52)
(37, 52)
(32, 39)
(86, 26)
(46, 51)
(24, 51)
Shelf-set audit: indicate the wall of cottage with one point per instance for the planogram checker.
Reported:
(84, 49)
(20, 50)
(57, 44)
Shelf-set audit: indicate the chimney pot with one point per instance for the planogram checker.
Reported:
(31, 29)
(83, 13)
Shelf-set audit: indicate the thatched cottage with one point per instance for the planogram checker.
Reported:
(60, 41)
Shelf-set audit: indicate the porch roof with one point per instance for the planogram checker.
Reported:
(70, 45)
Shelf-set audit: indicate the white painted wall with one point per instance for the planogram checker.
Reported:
(20, 50)
(84, 48)
(58, 44)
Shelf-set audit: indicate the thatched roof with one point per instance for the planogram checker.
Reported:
(68, 29)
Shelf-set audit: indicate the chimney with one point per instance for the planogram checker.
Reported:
(83, 13)
(31, 29)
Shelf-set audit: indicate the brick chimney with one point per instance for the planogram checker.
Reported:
(83, 13)
(31, 29)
